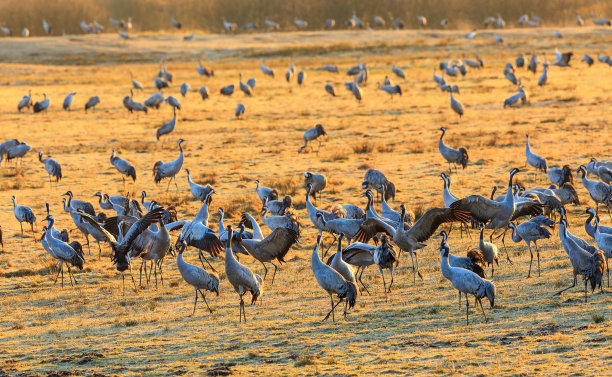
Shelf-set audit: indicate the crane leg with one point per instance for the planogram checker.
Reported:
(538, 254)
(195, 301)
(384, 282)
(169, 182)
(62, 270)
(142, 262)
(71, 275)
(330, 245)
(332, 309)
(99, 250)
(202, 256)
(459, 300)
(204, 298)
(161, 273)
(175, 184)
(504, 243)
(21, 225)
(483, 312)
(123, 283)
(265, 270)
(275, 268)
(150, 271)
(363, 285)
(585, 290)
(467, 310)
(390, 284)
(530, 262)
(413, 270)
(132, 275)
(155, 272)
(59, 268)
(565, 289)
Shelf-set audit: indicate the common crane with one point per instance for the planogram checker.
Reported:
(599, 191)
(92, 103)
(25, 102)
(172, 101)
(544, 76)
(63, 252)
(42, 105)
(18, 151)
(155, 100)
(204, 93)
(529, 232)
(68, 101)
(278, 207)
(135, 84)
(266, 71)
(539, 163)
(451, 155)
(197, 277)
(560, 176)
(123, 167)
(23, 214)
(265, 193)
(489, 251)
(604, 243)
(167, 127)
(199, 192)
(318, 182)
(240, 109)
(169, 169)
(47, 27)
(53, 168)
(377, 180)
(312, 134)
(456, 105)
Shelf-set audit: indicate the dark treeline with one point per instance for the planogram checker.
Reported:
(152, 15)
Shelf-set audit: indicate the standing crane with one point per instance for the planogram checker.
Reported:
(25, 102)
(42, 105)
(169, 169)
(68, 101)
(91, 103)
(529, 231)
(539, 163)
(168, 127)
(123, 167)
(53, 168)
(599, 191)
(451, 155)
(604, 243)
(23, 214)
(63, 252)
(265, 193)
(488, 250)
(312, 134)
(197, 277)
(199, 192)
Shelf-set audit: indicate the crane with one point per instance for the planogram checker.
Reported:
(197, 277)
(169, 169)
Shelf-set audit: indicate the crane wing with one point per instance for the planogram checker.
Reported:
(91, 221)
(481, 208)
(432, 218)
(278, 243)
(371, 227)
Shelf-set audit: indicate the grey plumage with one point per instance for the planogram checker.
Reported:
(169, 169)
(312, 134)
(123, 167)
(456, 105)
(25, 102)
(600, 192)
(18, 151)
(168, 127)
(92, 102)
(318, 182)
(68, 100)
(23, 214)
(184, 89)
(376, 180)
(529, 231)
(451, 155)
(53, 168)
(199, 192)
(197, 277)
(265, 193)
(227, 90)
(42, 105)
(533, 159)
(240, 109)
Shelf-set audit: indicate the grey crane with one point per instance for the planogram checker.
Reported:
(533, 63)
(184, 89)
(529, 232)
(18, 151)
(160, 83)
(275, 246)
(601, 21)
(172, 101)
(398, 72)
(246, 89)
(123, 167)
(266, 71)
(197, 277)
(590, 228)
(204, 71)
(68, 101)
(42, 105)
(390, 89)
(329, 23)
(594, 165)
(590, 266)
(361, 255)
(301, 76)
(227, 90)
(230, 27)
(167, 127)
(389, 213)
(106, 204)
(538, 162)
(155, 100)
(91, 103)
(451, 155)
(466, 282)
(562, 58)
(344, 269)
(196, 233)
(53, 168)
(131, 105)
(579, 20)
(199, 192)
(474, 261)
(7, 146)
(378, 181)
(240, 109)
(240, 277)
(544, 76)
(286, 220)
(47, 27)
(23, 214)
(318, 182)
(169, 169)
(290, 71)
(25, 102)
(488, 250)
(600, 192)
(603, 170)
(379, 21)
(63, 252)
(236, 246)
(398, 24)
(346, 227)
(175, 23)
(25, 32)
(135, 84)
(422, 21)
(587, 59)
(357, 92)
(251, 82)
(559, 176)
(271, 25)
(265, 193)
(6, 31)
(332, 282)
(312, 134)
(278, 207)
(313, 211)
(604, 243)
(204, 93)
(456, 105)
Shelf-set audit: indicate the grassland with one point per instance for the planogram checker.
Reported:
(92, 329)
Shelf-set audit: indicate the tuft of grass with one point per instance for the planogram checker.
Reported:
(363, 166)
(418, 210)
(304, 360)
(598, 318)
(364, 147)
(209, 179)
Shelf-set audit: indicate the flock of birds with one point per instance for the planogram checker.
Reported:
(143, 229)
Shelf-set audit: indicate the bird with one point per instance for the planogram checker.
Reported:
(271, 25)
(390, 89)
(7, 146)
(265, 193)
(131, 105)
(587, 59)
(559, 176)
(604, 243)
(422, 21)
(18, 151)
(318, 182)
(599, 191)
(301, 76)
(266, 71)
(357, 92)
(466, 282)
(488, 250)
(230, 26)
(123, 167)
(516, 97)
(160, 83)
(562, 59)
(601, 21)
(454, 156)
(175, 23)
(246, 89)
(25, 102)
(290, 71)
(533, 63)
(203, 92)
(312, 134)
(227, 90)
(92, 102)
(275, 246)
(398, 23)
(199, 192)
(184, 89)
(498, 39)
(343, 268)
(379, 21)
(197, 277)
(456, 105)
(590, 266)
(240, 109)
(378, 181)
(196, 233)
(332, 282)
(278, 207)
(474, 261)
(329, 24)
(602, 170)
(169, 169)
(25, 32)
(167, 127)
(579, 20)
(53, 168)
(590, 228)
(251, 82)
(544, 77)
(63, 252)
(155, 100)
(529, 232)
(240, 277)
(42, 105)
(47, 27)
(135, 84)
(68, 101)
(398, 72)
(539, 163)
(23, 214)
(172, 101)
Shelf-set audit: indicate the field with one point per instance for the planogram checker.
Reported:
(92, 329)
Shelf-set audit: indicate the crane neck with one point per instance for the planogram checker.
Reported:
(221, 225)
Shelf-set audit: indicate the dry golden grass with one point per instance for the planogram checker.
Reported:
(92, 328)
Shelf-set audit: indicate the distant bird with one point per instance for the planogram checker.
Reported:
(7, 146)
(189, 37)
(159, 83)
(177, 25)
(456, 105)
(466, 282)
(500, 22)
(544, 77)
(398, 72)
(602, 170)
(398, 23)
(131, 105)
(246, 89)
(204, 93)
(600, 192)
(529, 232)
(197, 277)
(47, 27)
(135, 84)
(533, 64)
(498, 39)
(123, 167)
(172, 101)
(168, 127)
(379, 21)
(357, 92)
(53, 168)
(63, 252)
(184, 89)
(229, 26)
(520, 61)
(6, 31)
(579, 20)
(25, 32)
(124, 35)
(18, 151)
(422, 21)
(562, 59)
(239, 110)
(390, 89)
(265, 193)
(332, 282)
(199, 192)
(556, 34)
(474, 261)
(318, 182)
(378, 181)
(301, 76)
(204, 71)
(241, 277)
(301, 24)
(26, 101)
(169, 169)
(516, 97)
(266, 71)
(251, 82)
(444, 23)
(452, 156)
(227, 90)
(92, 102)
(23, 214)
(471, 34)
(329, 24)
(539, 163)
(278, 207)
(601, 21)
(489, 251)
(312, 134)
(42, 105)
(559, 176)
(587, 59)
(271, 25)
(329, 88)
(155, 100)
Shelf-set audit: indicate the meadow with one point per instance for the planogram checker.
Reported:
(94, 329)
